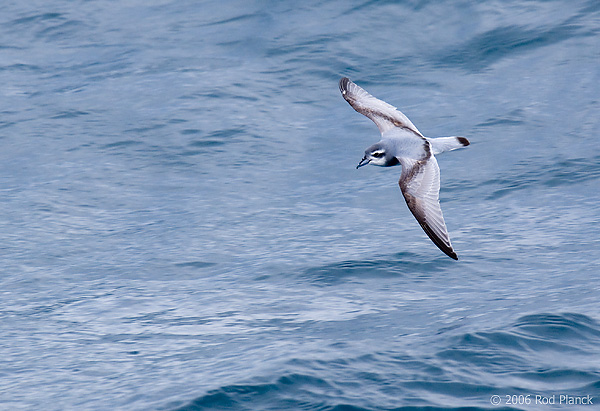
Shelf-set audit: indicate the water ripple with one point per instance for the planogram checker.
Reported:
(527, 176)
(452, 375)
(485, 49)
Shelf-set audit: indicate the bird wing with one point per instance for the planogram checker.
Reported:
(384, 115)
(420, 185)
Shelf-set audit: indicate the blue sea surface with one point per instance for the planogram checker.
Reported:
(183, 226)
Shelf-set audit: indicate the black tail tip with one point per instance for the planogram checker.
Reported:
(463, 141)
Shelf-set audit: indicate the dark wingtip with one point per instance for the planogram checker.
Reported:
(344, 81)
(464, 142)
(450, 253)
(438, 241)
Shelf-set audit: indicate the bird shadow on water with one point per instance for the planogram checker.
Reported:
(407, 265)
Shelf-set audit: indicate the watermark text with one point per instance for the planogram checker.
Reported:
(554, 399)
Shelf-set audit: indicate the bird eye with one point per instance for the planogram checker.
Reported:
(378, 154)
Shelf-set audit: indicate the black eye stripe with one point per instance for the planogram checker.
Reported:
(378, 154)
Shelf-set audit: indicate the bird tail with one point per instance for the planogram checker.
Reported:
(441, 144)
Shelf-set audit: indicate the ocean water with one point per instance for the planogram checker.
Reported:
(183, 227)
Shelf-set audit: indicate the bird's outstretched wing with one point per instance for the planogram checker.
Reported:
(420, 185)
(384, 115)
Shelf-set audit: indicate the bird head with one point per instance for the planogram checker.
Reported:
(378, 155)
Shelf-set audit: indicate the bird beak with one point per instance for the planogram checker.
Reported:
(363, 162)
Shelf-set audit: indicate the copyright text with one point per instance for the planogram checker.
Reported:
(554, 399)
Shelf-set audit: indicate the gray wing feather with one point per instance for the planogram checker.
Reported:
(420, 185)
(384, 115)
